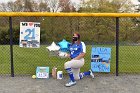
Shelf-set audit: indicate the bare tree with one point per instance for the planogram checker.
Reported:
(53, 5)
(20, 6)
(3, 7)
(62, 5)
(43, 6)
(40, 5)
(17, 6)
(65, 5)
(76, 4)
(14, 6)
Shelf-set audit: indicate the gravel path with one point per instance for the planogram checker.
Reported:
(100, 84)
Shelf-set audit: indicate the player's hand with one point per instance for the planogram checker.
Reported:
(63, 54)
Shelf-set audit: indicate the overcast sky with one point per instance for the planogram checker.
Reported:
(134, 1)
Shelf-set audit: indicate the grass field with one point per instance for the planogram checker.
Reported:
(26, 60)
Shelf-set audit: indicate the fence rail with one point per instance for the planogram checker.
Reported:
(45, 14)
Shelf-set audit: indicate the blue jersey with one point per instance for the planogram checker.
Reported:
(76, 49)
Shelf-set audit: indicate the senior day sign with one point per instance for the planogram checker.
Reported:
(29, 34)
(100, 59)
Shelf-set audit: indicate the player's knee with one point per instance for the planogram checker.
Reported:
(66, 65)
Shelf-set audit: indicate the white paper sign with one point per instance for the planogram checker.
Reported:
(29, 34)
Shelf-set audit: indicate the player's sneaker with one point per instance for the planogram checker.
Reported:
(71, 83)
(91, 74)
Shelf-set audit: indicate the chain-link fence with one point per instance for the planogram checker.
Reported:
(129, 45)
(94, 31)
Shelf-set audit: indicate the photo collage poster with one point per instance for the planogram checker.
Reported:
(100, 59)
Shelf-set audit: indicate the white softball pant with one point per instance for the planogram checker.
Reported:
(75, 65)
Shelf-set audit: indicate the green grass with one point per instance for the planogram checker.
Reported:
(26, 60)
(129, 59)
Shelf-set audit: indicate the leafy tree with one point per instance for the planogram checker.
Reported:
(92, 29)
(111, 6)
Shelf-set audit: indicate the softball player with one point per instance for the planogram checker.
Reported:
(77, 53)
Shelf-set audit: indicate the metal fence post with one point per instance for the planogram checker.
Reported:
(117, 46)
(11, 46)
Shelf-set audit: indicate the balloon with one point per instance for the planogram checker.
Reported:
(64, 45)
(53, 47)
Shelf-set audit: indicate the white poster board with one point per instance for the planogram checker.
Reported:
(29, 34)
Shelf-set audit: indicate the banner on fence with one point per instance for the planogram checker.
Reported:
(100, 59)
(42, 72)
(29, 34)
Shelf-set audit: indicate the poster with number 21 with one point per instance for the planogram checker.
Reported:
(29, 34)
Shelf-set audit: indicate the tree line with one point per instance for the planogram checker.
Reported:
(92, 29)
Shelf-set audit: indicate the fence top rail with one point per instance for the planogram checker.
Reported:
(45, 14)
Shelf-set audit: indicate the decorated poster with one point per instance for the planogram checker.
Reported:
(29, 34)
(42, 72)
(100, 59)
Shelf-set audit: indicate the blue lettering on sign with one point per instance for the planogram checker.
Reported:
(30, 35)
(101, 50)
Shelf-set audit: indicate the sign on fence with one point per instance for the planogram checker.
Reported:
(29, 34)
(42, 72)
(100, 59)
